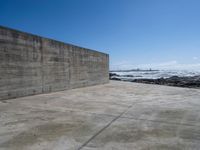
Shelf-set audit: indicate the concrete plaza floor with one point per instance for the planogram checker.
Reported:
(114, 116)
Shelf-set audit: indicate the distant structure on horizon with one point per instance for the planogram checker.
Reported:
(131, 70)
(30, 64)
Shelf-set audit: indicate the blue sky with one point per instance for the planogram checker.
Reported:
(136, 33)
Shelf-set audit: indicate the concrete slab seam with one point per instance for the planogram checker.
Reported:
(105, 127)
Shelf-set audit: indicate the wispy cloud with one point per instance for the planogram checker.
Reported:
(122, 65)
(162, 65)
(195, 58)
(169, 65)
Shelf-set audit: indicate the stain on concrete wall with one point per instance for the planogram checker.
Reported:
(30, 64)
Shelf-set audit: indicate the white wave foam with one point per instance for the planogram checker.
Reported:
(156, 74)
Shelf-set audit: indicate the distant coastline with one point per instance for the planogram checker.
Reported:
(134, 70)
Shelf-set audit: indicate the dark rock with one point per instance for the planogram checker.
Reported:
(113, 74)
(192, 82)
(114, 78)
(127, 76)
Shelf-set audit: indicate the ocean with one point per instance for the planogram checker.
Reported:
(154, 74)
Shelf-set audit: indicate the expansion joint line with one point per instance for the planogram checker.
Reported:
(95, 135)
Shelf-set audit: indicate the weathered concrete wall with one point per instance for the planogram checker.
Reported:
(30, 64)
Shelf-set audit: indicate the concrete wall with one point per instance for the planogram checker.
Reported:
(30, 65)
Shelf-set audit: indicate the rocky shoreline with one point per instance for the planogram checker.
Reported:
(190, 82)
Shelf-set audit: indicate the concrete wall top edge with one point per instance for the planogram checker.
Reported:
(49, 39)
